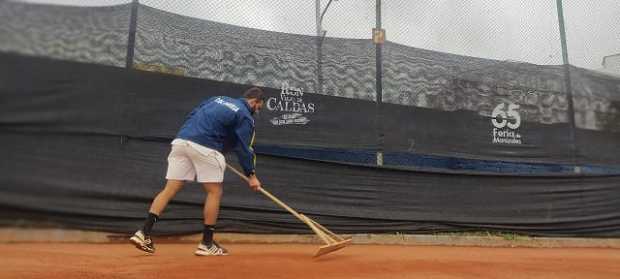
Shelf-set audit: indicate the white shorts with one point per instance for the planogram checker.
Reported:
(190, 161)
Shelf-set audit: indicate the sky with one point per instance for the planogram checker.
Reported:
(517, 30)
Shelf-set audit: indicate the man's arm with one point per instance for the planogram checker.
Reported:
(245, 151)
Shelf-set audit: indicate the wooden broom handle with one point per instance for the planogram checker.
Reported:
(269, 195)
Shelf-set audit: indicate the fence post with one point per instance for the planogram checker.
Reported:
(379, 85)
(568, 86)
(319, 83)
(131, 40)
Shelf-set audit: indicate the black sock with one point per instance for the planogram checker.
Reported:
(207, 234)
(148, 223)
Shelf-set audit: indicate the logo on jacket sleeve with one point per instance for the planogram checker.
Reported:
(227, 104)
(291, 102)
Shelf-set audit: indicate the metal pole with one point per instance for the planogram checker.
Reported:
(318, 17)
(319, 64)
(379, 89)
(568, 84)
(320, 35)
(131, 41)
(319, 54)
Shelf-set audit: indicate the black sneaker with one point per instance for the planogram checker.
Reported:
(213, 250)
(143, 242)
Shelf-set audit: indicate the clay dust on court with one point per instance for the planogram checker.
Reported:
(51, 261)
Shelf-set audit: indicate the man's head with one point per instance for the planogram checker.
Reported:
(255, 98)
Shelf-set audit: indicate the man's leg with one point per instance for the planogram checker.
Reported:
(208, 247)
(211, 210)
(142, 238)
(159, 203)
(161, 200)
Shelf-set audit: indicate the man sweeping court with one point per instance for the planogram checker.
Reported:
(214, 127)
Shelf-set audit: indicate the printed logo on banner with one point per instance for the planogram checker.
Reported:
(506, 121)
(291, 102)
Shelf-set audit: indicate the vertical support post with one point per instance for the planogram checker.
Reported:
(131, 40)
(319, 65)
(317, 4)
(319, 51)
(568, 85)
(379, 83)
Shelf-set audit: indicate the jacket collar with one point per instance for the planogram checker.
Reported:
(247, 106)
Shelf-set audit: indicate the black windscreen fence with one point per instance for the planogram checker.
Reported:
(85, 145)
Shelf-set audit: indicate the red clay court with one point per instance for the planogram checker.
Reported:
(117, 261)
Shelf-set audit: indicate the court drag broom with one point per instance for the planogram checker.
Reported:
(332, 241)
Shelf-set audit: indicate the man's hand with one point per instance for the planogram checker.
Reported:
(254, 183)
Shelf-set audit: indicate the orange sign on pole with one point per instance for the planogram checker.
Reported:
(378, 35)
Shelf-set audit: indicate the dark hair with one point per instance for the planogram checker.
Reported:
(254, 93)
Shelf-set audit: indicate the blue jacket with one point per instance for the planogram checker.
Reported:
(223, 123)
